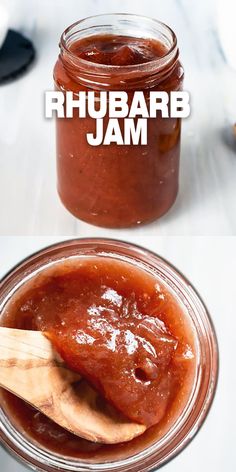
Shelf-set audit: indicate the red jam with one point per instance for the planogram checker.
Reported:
(117, 50)
(122, 330)
(117, 185)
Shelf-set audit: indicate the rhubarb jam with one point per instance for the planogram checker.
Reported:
(118, 185)
(115, 50)
(124, 331)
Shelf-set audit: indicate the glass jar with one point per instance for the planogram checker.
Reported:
(156, 452)
(118, 185)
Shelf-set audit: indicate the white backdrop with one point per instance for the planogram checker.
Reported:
(206, 205)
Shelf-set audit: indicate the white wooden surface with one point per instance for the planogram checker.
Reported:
(210, 264)
(206, 204)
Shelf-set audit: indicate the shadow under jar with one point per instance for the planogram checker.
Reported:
(118, 185)
(42, 444)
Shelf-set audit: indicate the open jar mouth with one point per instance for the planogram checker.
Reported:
(122, 21)
(118, 24)
(200, 399)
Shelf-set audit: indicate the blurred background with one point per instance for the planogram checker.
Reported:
(206, 204)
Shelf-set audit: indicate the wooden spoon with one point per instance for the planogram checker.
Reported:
(32, 370)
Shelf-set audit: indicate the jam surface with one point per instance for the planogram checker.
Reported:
(118, 50)
(121, 329)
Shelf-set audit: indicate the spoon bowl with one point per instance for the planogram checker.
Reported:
(31, 369)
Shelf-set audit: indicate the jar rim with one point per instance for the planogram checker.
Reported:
(155, 64)
(191, 420)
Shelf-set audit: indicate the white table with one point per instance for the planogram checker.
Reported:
(210, 264)
(206, 204)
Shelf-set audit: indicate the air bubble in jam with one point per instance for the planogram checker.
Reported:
(147, 371)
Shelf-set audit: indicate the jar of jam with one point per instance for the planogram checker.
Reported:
(110, 272)
(118, 185)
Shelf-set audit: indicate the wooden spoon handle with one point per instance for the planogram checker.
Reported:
(28, 363)
(18, 345)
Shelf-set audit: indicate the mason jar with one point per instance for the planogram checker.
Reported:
(155, 447)
(118, 185)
